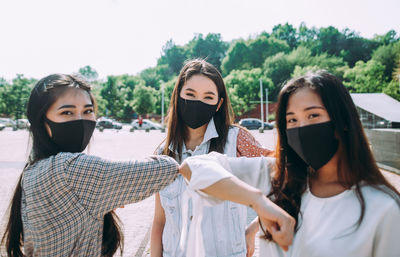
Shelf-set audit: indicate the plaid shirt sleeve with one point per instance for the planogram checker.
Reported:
(103, 185)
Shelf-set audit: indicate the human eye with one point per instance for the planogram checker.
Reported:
(89, 111)
(66, 113)
(313, 115)
(291, 120)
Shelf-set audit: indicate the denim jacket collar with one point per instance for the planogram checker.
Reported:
(211, 132)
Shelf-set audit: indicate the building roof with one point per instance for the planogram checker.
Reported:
(378, 104)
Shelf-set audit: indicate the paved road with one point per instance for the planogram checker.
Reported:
(122, 145)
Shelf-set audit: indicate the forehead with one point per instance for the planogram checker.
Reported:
(73, 96)
(200, 83)
(302, 99)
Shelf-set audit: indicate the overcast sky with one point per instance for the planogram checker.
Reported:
(39, 37)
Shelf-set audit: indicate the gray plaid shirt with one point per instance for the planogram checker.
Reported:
(65, 198)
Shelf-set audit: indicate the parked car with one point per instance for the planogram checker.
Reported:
(251, 123)
(147, 124)
(2, 127)
(108, 124)
(22, 123)
(7, 122)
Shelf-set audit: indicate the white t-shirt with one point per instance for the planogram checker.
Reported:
(328, 226)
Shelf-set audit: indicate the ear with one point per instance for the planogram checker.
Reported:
(220, 103)
(48, 129)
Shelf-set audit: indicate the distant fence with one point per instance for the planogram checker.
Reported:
(385, 144)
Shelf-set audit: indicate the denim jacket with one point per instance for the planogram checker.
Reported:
(223, 225)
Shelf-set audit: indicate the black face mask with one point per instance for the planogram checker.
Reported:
(71, 136)
(195, 113)
(315, 144)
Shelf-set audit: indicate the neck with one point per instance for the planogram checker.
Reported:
(325, 182)
(195, 136)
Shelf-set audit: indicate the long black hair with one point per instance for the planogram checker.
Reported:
(43, 95)
(223, 118)
(357, 165)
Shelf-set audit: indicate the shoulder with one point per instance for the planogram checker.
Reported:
(381, 196)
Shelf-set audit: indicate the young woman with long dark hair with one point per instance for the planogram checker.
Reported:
(64, 200)
(325, 175)
(200, 120)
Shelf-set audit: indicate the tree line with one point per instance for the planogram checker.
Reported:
(364, 65)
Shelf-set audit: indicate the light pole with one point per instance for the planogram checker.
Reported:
(266, 104)
(262, 111)
(162, 103)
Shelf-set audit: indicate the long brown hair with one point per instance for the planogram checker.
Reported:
(43, 95)
(357, 165)
(223, 118)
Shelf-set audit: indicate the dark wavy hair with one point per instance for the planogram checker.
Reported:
(223, 118)
(43, 95)
(357, 165)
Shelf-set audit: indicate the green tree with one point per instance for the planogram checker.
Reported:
(126, 89)
(279, 67)
(16, 95)
(3, 87)
(112, 97)
(173, 56)
(236, 57)
(388, 56)
(144, 99)
(168, 88)
(306, 36)
(286, 33)
(88, 73)
(264, 46)
(244, 88)
(365, 77)
(211, 48)
(245, 55)
(392, 89)
(388, 38)
(151, 77)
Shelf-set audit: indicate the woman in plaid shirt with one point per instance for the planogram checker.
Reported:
(64, 201)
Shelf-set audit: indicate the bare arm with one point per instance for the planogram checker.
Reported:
(235, 190)
(250, 234)
(157, 229)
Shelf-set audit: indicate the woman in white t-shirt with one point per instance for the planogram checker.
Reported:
(324, 175)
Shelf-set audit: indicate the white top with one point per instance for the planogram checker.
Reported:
(328, 225)
(221, 227)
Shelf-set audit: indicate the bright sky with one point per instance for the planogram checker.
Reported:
(126, 36)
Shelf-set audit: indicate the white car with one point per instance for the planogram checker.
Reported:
(7, 122)
(147, 124)
(22, 123)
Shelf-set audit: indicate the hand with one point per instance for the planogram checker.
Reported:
(250, 234)
(277, 222)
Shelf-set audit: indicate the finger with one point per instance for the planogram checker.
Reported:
(252, 252)
(280, 238)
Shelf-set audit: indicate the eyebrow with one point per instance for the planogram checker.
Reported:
(73, 106)
(207, 93)
(307, 109)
